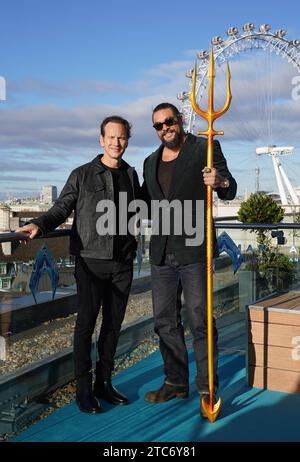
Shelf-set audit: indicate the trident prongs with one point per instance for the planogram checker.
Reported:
(211, 409)
(210, 115)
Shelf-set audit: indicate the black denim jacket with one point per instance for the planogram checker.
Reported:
(85, 187)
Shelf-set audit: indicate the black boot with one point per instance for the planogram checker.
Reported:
(85, 398)
(103, 389)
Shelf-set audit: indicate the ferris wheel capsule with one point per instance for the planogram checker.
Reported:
(203, 54)
(182, 95)
(249, 27)
(189, 73)
(217, 40)
(280, 33)
(250, 37)
(232, 31)
(264, 28)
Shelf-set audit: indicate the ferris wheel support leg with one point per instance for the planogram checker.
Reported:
(282, 193)
(294, 197)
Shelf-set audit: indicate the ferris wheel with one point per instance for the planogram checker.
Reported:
(224, 51)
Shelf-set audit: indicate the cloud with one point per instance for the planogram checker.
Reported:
(55, 138)
(168, 70)
(53, 127)
(25, 166)
(262, 106)
(65, 89)
(15, 178)
(48, 126)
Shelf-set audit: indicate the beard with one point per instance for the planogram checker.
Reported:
(175, 143)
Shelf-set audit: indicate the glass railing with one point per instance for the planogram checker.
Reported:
(38, 300)
(37, 293)
(33, 309)
(37, 316)
(265, 260)
(38, 310)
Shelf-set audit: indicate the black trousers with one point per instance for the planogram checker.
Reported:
(168, 325)
(95, 288)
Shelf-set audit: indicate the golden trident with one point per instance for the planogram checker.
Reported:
(210, 409)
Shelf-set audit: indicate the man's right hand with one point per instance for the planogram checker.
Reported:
(31, 230)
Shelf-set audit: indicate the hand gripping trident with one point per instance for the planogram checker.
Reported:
(211, 410)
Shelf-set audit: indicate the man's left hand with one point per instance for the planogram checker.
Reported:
(211, 177)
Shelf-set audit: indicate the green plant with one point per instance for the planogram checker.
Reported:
(296, 219)
(260, 208)
(273, 267)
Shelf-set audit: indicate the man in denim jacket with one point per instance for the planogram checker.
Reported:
(104, 257)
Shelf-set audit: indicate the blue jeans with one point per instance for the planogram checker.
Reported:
(166, 280)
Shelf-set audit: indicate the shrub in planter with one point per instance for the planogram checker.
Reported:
(274, 270)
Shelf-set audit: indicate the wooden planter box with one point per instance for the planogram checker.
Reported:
(273, 355)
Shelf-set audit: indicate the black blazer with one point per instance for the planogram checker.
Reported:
(186, 184)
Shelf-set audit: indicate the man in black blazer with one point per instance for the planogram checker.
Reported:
(176, 172)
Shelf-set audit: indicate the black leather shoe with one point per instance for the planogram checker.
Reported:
(167, 392)
(88, 403)
(105, 390)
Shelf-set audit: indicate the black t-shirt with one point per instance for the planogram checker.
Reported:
(164, 178)
(124, 245)
(164, 175)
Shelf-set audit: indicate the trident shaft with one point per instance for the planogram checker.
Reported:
(211, 409)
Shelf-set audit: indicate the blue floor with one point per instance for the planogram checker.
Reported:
(247, 414)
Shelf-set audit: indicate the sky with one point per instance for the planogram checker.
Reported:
(68, 64)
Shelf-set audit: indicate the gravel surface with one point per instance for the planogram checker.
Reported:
(53, 336)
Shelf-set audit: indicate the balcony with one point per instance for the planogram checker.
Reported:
(36, 383)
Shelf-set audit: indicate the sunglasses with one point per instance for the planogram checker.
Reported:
(168, 122)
